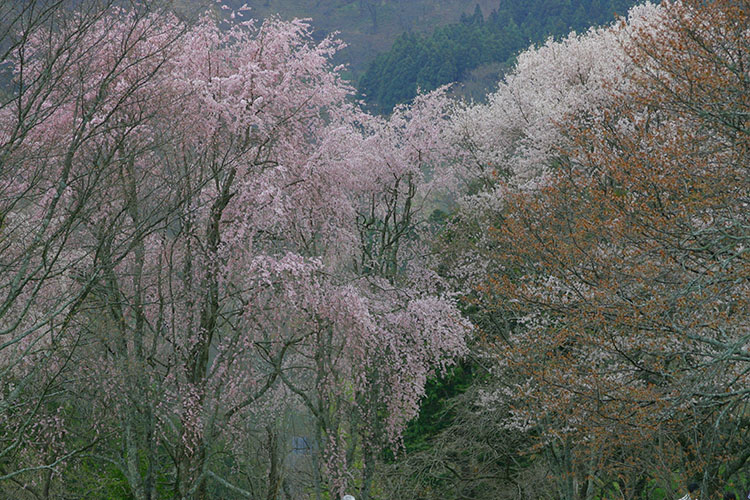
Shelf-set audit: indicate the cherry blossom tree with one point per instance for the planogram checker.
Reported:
(198, 259)
(53, 161)
(411, 328)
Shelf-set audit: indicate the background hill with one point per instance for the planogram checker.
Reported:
(367, 26)
(476, 48)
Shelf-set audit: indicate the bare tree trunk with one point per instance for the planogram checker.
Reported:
(275, 468)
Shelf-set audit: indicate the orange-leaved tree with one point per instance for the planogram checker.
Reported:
(628, 270)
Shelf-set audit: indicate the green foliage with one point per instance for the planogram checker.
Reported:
(452, 51)
(436, 413)
(90, 478)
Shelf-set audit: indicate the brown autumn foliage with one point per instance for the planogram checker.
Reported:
(630, 270)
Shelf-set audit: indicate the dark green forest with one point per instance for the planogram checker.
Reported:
(425, 62)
